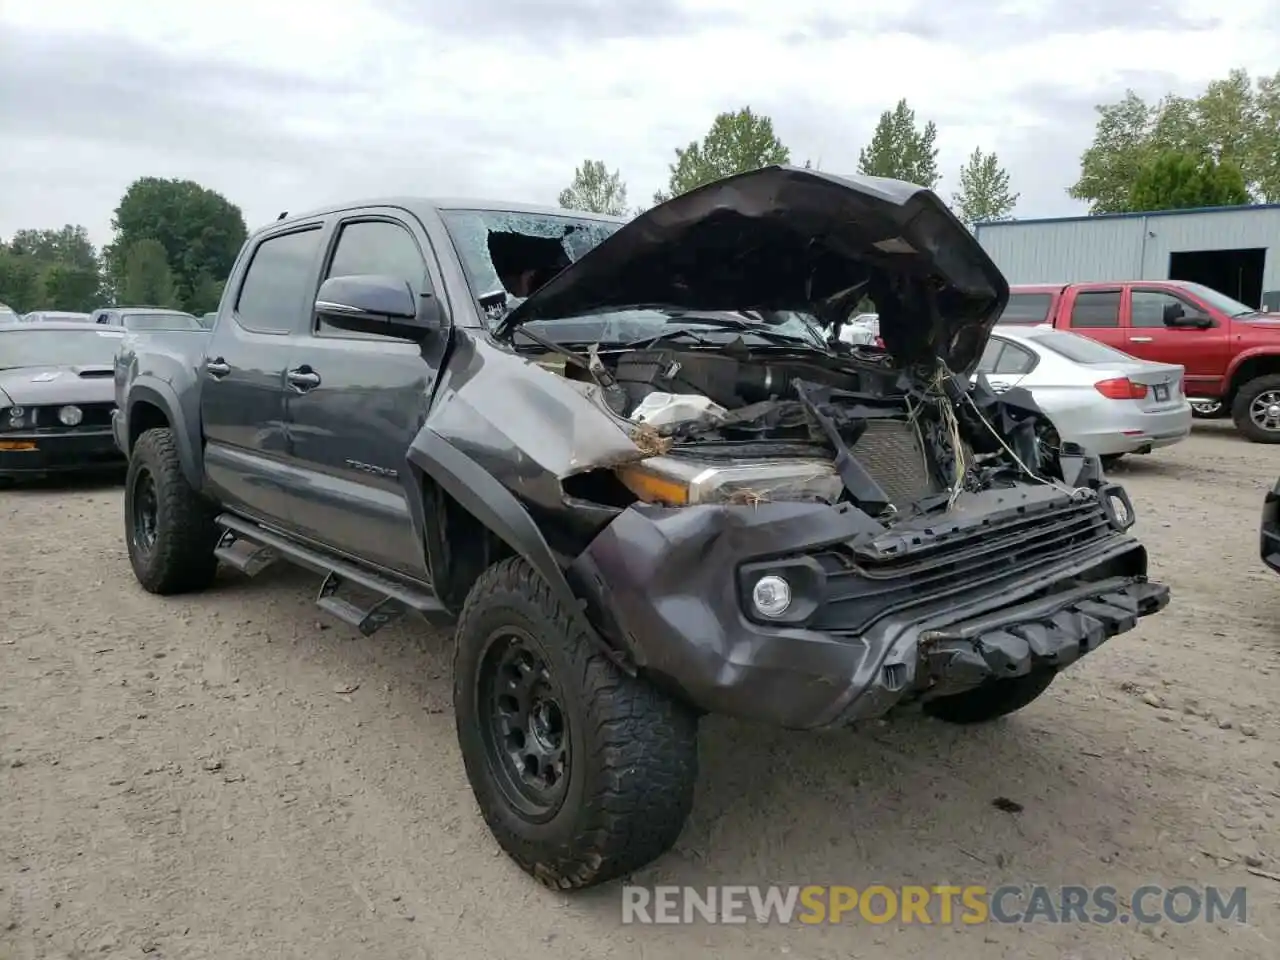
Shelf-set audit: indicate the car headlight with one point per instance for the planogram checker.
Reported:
(677, 482)
(70, 415)
(14, 418)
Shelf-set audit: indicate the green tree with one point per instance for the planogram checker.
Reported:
(200, 231)
(20, 286)
(594, 188)
(738, 141)
(206, 296)
(984, 190)
(901, 150)
(70, 287)
(147, 280)
(1182, 181)
(69, 245)
(1235, 120)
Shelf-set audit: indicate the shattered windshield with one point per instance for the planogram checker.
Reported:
(510, 253)
(518, 252)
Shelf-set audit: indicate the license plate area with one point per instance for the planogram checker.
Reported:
(1161, 392)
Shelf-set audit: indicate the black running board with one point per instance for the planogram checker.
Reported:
(249, 548)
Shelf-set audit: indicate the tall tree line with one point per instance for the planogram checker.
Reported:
(173, 245)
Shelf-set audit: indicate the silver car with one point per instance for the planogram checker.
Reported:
(1109, 402)
(55, 316)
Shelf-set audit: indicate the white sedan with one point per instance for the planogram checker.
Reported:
(1109, 402)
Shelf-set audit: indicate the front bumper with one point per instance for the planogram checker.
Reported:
(939, 611)
(1269, 532)
(60, 452)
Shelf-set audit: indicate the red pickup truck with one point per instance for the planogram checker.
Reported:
(1231, 351)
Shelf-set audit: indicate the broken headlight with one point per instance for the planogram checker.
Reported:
(675, 481)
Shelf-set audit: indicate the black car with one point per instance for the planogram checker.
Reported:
(623, 460)
(1269, 533)
(56, 398)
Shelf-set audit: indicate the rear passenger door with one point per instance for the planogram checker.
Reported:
(242, 399)
(356, 401)
(1094, 312)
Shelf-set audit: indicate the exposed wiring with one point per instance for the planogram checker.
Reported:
(968, 396)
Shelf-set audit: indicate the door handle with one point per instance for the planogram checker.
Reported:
(1139, 339)
(303, 379)
(217, 368)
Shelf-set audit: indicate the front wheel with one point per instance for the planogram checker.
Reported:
(990, 700)
(169, 527)
(582, 773)
(1256, 410)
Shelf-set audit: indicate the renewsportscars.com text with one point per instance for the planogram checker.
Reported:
(933, 905)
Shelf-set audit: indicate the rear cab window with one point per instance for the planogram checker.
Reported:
(1096, 309)
(1027, 308)
(280, 283)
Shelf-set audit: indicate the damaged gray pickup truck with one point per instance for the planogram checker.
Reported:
(636, 466)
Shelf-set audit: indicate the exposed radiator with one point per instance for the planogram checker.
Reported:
(892, 453)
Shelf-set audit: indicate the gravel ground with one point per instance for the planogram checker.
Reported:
(230, 775)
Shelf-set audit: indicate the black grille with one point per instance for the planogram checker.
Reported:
(892, 453)
(94, 415)
(865, 583)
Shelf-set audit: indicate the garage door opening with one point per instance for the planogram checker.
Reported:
(1237, 273)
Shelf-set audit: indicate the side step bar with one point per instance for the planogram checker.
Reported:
(249, 548)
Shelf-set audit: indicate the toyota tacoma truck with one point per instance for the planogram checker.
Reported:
(1231, 351)
(637, 469)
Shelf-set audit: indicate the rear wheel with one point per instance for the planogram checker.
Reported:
(1207, 409)
(1109, 460)
(1256, 410)
(169, 527)
(582, 773)
(993, 699)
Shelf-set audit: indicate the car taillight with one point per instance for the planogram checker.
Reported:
(1121, 388)
(879, 343)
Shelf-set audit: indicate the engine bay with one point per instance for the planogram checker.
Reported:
(752, 425)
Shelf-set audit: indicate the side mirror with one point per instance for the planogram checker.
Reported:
(1193, 321)
(1172, 313)
(377, 304)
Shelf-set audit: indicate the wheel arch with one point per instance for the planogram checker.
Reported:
(154, 404)
(458, 491)
(1249, 366)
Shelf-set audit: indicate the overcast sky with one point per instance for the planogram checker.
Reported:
(284, 105)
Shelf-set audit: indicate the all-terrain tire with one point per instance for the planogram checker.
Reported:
(993, 699)
(633, 754)
(181, 559)
(1240, 409)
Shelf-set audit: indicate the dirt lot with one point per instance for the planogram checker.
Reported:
(227, 775)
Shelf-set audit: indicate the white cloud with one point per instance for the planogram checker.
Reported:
(281, 106)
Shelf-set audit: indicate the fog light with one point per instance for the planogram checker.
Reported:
(771, 596)
(70, 415)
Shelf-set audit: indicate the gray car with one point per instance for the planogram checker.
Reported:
(56, 398)
(1108, 402)
(56, 316)
(147, 318)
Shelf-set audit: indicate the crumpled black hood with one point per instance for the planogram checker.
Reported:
(785, 238)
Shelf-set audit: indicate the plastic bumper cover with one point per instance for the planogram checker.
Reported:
(665, 585)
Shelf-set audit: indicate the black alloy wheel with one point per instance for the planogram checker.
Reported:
(526, 729)
(146, 512)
